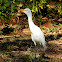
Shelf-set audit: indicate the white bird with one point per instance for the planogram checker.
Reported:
(36, 33)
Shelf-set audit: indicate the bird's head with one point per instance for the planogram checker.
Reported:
(27, 11)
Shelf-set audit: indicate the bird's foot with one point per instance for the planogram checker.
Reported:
(42, 49)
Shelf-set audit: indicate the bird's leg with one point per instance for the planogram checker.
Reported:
(41, 48)
(42, 52)
(31, 46)
(35, 48)
(34, 43)
(45, 47)
(35, 51)
(43, 43)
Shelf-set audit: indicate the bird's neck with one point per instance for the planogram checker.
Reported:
(30, 22)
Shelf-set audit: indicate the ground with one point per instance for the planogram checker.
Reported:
(16, 46)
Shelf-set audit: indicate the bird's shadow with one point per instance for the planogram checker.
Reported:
(24, 43)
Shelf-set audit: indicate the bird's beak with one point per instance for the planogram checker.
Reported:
(22, 10)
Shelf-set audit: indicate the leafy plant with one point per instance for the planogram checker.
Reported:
(55, 36)
(61, 38)
(35, 5)
(56, 44)
(54, 29)
(59, 8)
(8, 8)
(60, 24)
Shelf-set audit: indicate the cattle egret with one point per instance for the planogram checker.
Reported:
(36, 33)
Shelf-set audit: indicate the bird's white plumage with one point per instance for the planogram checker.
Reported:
(36, 33)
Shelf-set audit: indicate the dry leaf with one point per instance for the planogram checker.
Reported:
(47, 24)
(26, 31)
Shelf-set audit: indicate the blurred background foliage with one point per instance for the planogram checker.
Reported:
(8, 8)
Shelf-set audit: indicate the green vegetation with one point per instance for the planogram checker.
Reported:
(8, 8)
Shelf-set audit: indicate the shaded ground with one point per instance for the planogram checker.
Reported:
(17, 48)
